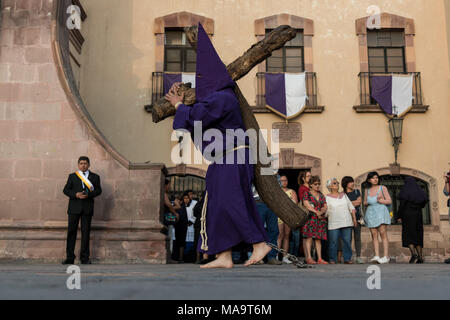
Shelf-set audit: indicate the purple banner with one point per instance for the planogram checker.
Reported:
(169, 79)
(276, 92)
(382, 92)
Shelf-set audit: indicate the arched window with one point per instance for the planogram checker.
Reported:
(394, 183)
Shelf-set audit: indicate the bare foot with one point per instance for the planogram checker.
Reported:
(219, 263)
(260, 250)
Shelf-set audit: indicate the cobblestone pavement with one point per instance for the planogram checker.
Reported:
(187, 282)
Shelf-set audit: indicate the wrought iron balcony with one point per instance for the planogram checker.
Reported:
(157, 89)
(369, 105)
(311, 90)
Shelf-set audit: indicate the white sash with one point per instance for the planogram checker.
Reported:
(85, 180)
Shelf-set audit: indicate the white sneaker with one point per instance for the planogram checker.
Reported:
(384, 260)
(286, 261)
(375, 259)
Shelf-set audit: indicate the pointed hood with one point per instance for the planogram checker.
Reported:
(211, 75)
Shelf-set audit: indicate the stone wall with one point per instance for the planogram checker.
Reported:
(42, 134)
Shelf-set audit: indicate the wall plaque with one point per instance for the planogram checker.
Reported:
(288, 132)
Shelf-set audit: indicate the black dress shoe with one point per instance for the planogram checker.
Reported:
(413, 259)
(69, 261)
(420, 260)
(86, 262)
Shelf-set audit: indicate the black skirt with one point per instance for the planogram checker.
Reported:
(412, 224)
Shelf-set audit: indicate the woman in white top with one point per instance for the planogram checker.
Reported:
(341, 220)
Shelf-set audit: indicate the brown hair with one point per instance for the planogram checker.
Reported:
(313, 180)
(301, 178)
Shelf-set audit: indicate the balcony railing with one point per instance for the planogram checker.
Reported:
(311, 90)
(157, 86)
(368, 104)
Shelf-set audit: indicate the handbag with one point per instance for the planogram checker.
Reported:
(389, 206)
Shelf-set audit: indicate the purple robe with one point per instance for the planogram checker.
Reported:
(231, 216)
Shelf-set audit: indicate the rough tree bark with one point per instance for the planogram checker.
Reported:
(267, 185)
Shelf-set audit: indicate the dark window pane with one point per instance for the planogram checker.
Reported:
(394, 52)
(190, 67)
(173, 67)
(297, 41)
(174, 38)
(373, 52)
(191, 56)
(173, 55)
(278, 53)
(384, 42)
(396, 69)
(372, 40)
(295, 69)
(293, 52)
(395, 62)
(398, 38)
(377, 62)
(275, 62)
(293, 62)
(273, 69)
(377, 69)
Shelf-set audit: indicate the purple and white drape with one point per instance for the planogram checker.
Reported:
(393, 93)
(286, 93)
(170, 78)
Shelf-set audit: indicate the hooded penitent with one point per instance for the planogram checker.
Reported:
(229, 212)
(412, 192)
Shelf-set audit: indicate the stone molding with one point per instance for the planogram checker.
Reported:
(181, 19)
(296, 22)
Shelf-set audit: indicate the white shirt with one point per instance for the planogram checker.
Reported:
(190, 214)
(86, 175)
(339, 212)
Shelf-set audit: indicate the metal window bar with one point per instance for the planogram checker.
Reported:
(366, 88)
(311, 89)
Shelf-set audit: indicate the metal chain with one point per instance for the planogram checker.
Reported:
(295, 261)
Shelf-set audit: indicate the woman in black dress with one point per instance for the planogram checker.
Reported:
(412, 200)
(181, 230)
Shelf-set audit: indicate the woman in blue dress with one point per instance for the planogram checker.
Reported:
(377, 216)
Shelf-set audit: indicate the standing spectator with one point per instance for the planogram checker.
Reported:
(82, 187)
(171, 217)
(316, 226)
(283, 238)
(377, 217)
(412, 200)
(341, 219)
(303, 181)
(348, 184)
(190, 234)
(271, 223)
(181, 230)
(447, 193)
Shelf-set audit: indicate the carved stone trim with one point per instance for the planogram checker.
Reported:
(271, 22)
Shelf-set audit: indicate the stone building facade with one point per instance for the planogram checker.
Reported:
(68, 92)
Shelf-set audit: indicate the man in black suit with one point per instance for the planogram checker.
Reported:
(81, 188)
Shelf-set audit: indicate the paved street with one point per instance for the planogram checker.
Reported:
(185, 282)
